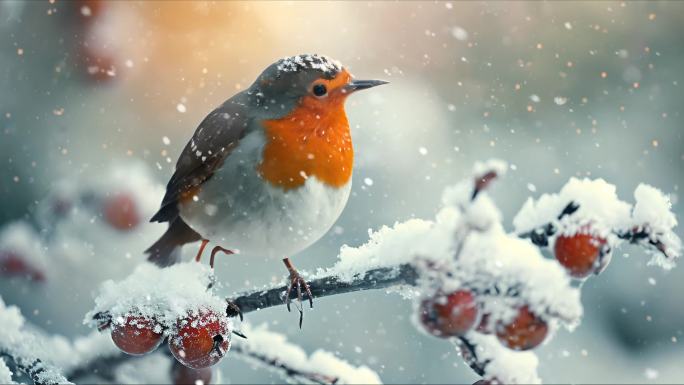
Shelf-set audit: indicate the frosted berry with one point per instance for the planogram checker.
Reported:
(137, 335)
(448, 315)
(580, 254)
(181, 374)
(201, 339)
(120, 211)
(526, 331)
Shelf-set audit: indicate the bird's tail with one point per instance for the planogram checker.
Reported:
(166, 251)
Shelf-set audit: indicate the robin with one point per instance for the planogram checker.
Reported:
(269, 171)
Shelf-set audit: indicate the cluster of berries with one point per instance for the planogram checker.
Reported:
(456, 313)
(198, 340)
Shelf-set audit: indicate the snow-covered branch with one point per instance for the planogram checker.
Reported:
(22, 349)
(331, 284)
(489, 291)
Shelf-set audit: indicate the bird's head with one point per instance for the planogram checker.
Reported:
(301, 106)
(313, 83)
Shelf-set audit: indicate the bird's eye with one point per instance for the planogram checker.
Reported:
(319, 90)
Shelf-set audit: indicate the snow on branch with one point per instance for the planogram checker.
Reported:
(272, 349)
(592, 206)
(24, 350)
(331, 284)
(262, 348)
(489, 291)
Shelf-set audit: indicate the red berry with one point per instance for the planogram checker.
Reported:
(12, 264)
(526, 331)
(137, 335)
(181, 374)
(580, 253)
(120, 211)
(449, 315)
(201, 339)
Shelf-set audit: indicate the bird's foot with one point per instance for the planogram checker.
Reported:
(214, 251)
(233, 310)
(201, 250)
(299, 284)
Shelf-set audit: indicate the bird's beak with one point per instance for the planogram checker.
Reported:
(356, 85)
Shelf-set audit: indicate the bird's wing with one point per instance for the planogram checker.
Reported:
(213, 141)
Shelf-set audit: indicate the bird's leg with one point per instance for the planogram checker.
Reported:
(216, 250)
(296, 281)
(201, 250)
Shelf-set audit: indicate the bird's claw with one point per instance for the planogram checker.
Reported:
(296, 281)
(233, 310)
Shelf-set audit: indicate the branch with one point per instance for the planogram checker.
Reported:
(638, 235)
(540, 235)
(380, 278)
(330, 285)
(104, 367)
(295, 374)
(470, 356)
(38, 371)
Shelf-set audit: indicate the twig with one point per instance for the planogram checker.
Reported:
(639, 235)
(540, 235)
(470, 356)
(295, 374)
(38, 371)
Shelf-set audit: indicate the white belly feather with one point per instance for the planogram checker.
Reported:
(238, 210)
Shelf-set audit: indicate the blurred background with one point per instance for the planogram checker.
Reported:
(99, 97)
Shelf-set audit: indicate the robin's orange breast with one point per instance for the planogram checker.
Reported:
(312, 141)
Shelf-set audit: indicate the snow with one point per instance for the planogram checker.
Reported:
(507, 366)
(489, 261)
(459, 33)
(165, 294)
(652, 210)
(23, 345)
(5, 373)
(599, 207)
(602, 213)
(308, 61)
(262, 342)
(495, 259)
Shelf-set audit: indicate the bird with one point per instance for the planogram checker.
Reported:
(269, 171)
